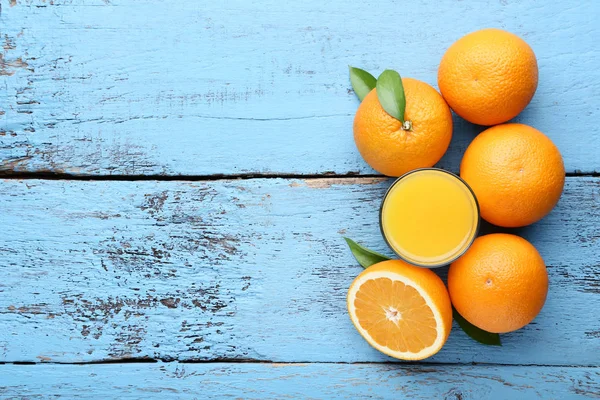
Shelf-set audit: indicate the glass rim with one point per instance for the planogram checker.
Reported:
(459, 254)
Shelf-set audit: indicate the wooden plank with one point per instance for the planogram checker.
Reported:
(307, 381)
(244, 269)
(256, 87)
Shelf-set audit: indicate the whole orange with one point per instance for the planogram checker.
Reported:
(500, 284)
(392, 150)
(488, 76)
(516, 172)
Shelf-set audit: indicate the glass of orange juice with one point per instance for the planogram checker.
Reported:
(429, 217)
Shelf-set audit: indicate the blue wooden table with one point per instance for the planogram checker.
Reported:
(178, 176)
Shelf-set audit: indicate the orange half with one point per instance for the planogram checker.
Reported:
(401, 310)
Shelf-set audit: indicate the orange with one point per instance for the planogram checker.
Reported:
(401, 310)
(500, 284)
(392, 150)
(516, 172)
(488, 76)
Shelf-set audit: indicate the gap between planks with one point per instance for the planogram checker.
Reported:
(214, 177)
(299, 363)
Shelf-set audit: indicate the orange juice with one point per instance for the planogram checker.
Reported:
(429, 217)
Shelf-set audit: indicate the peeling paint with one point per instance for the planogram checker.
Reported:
(7, 68)
(32, 309)
(326, 183)
(170, 302)
(154, 202)
(9, 43)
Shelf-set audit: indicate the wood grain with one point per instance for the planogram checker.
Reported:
(244, 269)
(307, 381)
(256, 271)
(132, 87)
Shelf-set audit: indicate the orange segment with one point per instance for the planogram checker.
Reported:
(401, 310)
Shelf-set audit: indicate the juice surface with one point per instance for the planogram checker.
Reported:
(429, 217)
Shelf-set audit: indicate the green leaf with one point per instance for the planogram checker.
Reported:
(483, 337)
(362, 82)
(390, 93)
(364, 256)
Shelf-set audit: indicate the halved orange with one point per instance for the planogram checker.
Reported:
(401, 310)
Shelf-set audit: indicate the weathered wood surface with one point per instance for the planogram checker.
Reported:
(238, 270)
(298, 381)
(244, 269)
(134, 87)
